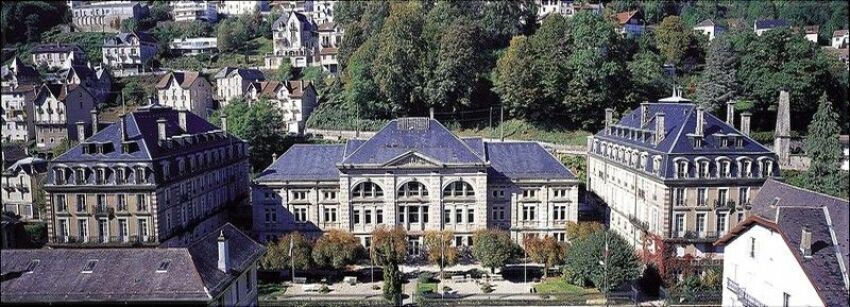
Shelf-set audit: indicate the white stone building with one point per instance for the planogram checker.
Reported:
(330, 37)
(792, 252)
(416, 174)
(194, 45)
(194, 10)
(57, 108)
(294, 38)
(20, 183)
(234, 8)
(295, 99)
(709, 28)
(16, 104)
(56, 56)
(104, 16)
(233, 83)
(840, 39)
(129, 53)
(186, 91)
(567, 8)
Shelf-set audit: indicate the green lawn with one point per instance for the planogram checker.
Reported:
(520, 130)
(428, 287)
(556, 285)
(271, 290)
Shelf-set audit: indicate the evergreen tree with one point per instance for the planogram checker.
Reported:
(718, 84)
(399, 55)
(823, 147)
(516, 84)
(672, 39)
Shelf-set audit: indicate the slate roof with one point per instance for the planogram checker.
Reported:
(184, 79)
(53, 48)
(775, 194)
(142, 129)
(680, 120)
(246, 73)
(23, 72)
(12, 152)
(126, 274)
(122, 38)
(301, 18)
(59, 91)
(839, 33)
(422, 136)
(29, 165)
(327, 26)
(770, 23)
(305, 162)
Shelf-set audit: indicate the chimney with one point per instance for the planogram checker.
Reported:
(730, 113)
(224, 124)
(806, 242)
(700, 128)
(94, 122)
(745, 123)
(431, 111)
(123, 121)
(81, 130)
(609, 117)
(644, 113)
(223, 253)
(181, 118)
(160, 128)
(274, 156)
(659, 127)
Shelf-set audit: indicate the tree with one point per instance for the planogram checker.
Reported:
(551, 48)
(493, 248)
(279, 257)
(583, 230)
(26, 21)
(389, 249)
(515, 83)
(399, 53)
(505, 19)
(824, 149)
(672, 39)
(259, 124)
(718, 84)
(646, 77)
(336, 249)
(135, 93)
(438, 245)
(284, 71)
(585, 258)
(459, 64)
(547, 251)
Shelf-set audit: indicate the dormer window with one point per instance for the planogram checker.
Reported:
(120, 175)
(100, 176)
(656, 165)
(724, 142)
(698, 142)
(80, 176)
(766, 168)
(682, 169)
(140, 175)
(59, 176)
(739, 142)
(723, 169)
(703, 169)
(746, 168)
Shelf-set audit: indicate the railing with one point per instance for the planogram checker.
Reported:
(745, 298)
(723, 205)
(638, 223)
(74, 240)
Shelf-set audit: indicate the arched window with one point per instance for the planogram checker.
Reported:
(745, 167)
(367, 189)
(656, 165)
(724, 167)
(765, 167)
(703, 169)
(681, 168)
(457, 189)
(412, 189)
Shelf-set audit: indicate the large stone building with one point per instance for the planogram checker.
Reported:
(55, 56)
(104, 16)
(194, 10)
(235, 8)
(157, 175)
(294, 39)
(233, 82)
(19, 85)
(21, 183)
(219, 269)
(793, 251)
(675, 177)
(186, 91)
(416, 174)
(57, 108)
(295, 99)
(129, 53)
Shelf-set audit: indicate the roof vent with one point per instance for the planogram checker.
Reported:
(89, 267)
(163, 266)
(413, 124)
(806, 242)
(31, 266)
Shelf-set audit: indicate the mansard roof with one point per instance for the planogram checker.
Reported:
(523, 160)
(143, 131)
(305, 162)
(423, 136)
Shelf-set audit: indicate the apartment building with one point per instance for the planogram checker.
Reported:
(56, 56)
(793, 251)
(233, 82)
(295, 99)
(21, 183)
(330, 38)
(18, 73)
(157, 175)
(56, 110)
(129, 53)
(104, 16)
(186, 91)
(97, 80)
(194, 46)
(294, 39)
(194, 10)
(235, 8)
(16, 104)
(219, 269)
(676, 178)
(416, 174)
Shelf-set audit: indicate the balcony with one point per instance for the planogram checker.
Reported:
(729, 204)
(102, 240)
(104, 210)
(745, 298)
(638, 223)
(697, 236)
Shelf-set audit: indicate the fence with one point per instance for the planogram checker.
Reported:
(528, 299)
(327, 299)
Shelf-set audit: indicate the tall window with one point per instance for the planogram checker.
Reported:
(366, 190)
(746, 168)
(379, 216)
(703, 169)
(743, 195)
(723, 196)
(447, 216)
(766, 167)
(140, 175)
(724, 170)
(498, 213)
(682, 169)
(458, 215)
(270, 215)
(559, 213)
(679, 226)
(355, 214)
(143, 229)
(412, 189)
(61, 203)
(330, 214)
(83, 230)
(470, 215)
(528, 212)
(81, 202)
(722, 222)
(122, 202)
(457, 189)
(300, 215)
(679, 196)
(367, 216)
(702, 196)
(123, 230)
(100, 177)
(141, 203)
(80, 176)
(700, 224)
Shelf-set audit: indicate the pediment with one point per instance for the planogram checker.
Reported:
(412, 160)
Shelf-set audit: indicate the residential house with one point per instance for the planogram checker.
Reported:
(810, 32)
(763, 25)
(129, 53)
(676, 178)
(840, 39)
(709, 28)
(235, 8)
(631, 23)
(194, 46)
(295, 99)
(56, 56)
(18, 73)
(192, 10)
(19, 84)
(845, 152)
(157, 175)
(219, 269)
(320, 11)
(56, 110)
(840, 54)
(294, 40)
(186, 91)
(21, 183)
(233, 83)
(105, 16)
(414, 173)
(802, 232)
(330, 37)
(95, 79)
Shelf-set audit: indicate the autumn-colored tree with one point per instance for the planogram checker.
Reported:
(547, 251)
(389, 249)
(279, 257)
(336, 249)
(580, 231)
(439, 248)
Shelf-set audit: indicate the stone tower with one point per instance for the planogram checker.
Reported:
(782, 134)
